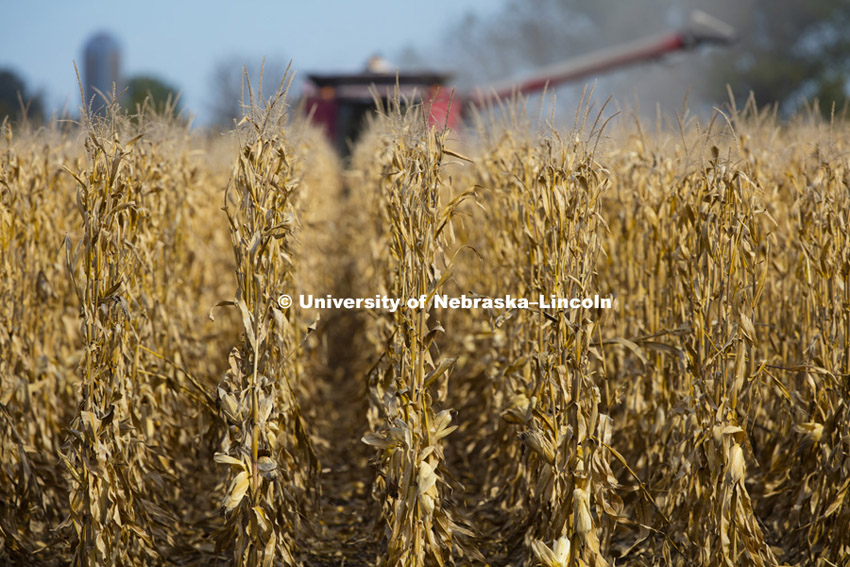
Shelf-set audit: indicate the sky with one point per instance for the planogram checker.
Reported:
(181, 41)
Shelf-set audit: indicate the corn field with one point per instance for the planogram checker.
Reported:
(160, 406)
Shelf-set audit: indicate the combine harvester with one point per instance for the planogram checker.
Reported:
(339, 103)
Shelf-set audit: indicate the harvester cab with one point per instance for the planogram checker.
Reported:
(339, 103)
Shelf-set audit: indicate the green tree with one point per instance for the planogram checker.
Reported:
(790, 51)
(13, 91)
(161, 94)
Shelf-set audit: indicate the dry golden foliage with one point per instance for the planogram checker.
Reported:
(702, 420)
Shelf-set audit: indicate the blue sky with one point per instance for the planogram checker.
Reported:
(181, 41)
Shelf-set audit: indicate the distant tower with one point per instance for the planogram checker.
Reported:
(102, 68)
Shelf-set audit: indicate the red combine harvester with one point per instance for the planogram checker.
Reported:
(340, 102)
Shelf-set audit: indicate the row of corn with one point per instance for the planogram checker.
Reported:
(155, 394)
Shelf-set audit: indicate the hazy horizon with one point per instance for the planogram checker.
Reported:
(181, 43)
